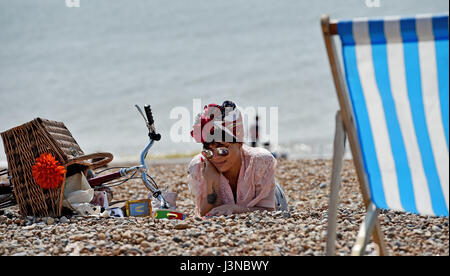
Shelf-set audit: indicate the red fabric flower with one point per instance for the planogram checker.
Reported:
(47, 172)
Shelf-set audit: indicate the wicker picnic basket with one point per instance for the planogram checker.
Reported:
(23, 144)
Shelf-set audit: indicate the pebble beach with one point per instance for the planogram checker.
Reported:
(302, 231)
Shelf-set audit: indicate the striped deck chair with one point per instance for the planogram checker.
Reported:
(393, 92)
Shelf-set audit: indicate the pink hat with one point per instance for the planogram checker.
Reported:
(219, 123)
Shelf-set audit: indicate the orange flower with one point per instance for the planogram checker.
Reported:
(47, 171)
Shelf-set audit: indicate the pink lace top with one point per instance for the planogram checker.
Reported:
(256, 182)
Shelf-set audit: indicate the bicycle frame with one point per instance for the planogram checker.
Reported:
(142, 169)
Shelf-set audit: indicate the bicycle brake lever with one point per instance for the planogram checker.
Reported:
(142, 114)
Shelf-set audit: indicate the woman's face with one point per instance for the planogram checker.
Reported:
(225, 163)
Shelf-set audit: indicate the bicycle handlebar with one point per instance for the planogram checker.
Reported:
(150, 122)
(148, 112)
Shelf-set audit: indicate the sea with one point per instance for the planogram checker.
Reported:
(87, 63)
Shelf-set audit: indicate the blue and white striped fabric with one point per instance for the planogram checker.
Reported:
(397, 72)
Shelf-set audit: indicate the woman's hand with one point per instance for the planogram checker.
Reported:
(209, 171)
(212, 177)
(227, 210)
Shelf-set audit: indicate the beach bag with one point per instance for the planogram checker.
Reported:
(25, 144)
(77, 191)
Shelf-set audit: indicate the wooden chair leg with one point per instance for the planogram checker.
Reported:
(379, 239)
(338, 155)
(365, 231)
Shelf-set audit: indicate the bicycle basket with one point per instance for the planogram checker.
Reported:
(23, 144)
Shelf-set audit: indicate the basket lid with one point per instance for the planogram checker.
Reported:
(72, 151)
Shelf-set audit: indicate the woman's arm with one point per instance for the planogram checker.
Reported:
(229, 209)
(205, 204)
(212, 198)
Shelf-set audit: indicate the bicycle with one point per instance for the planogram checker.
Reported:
(101, 182)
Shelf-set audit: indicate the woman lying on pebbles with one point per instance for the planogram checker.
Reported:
(229, 177)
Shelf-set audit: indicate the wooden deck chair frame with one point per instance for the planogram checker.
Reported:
(346, 129)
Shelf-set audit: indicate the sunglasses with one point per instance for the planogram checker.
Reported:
(209, 154)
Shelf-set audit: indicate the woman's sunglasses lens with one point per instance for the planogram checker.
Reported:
(222, 151)
(208, 154)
